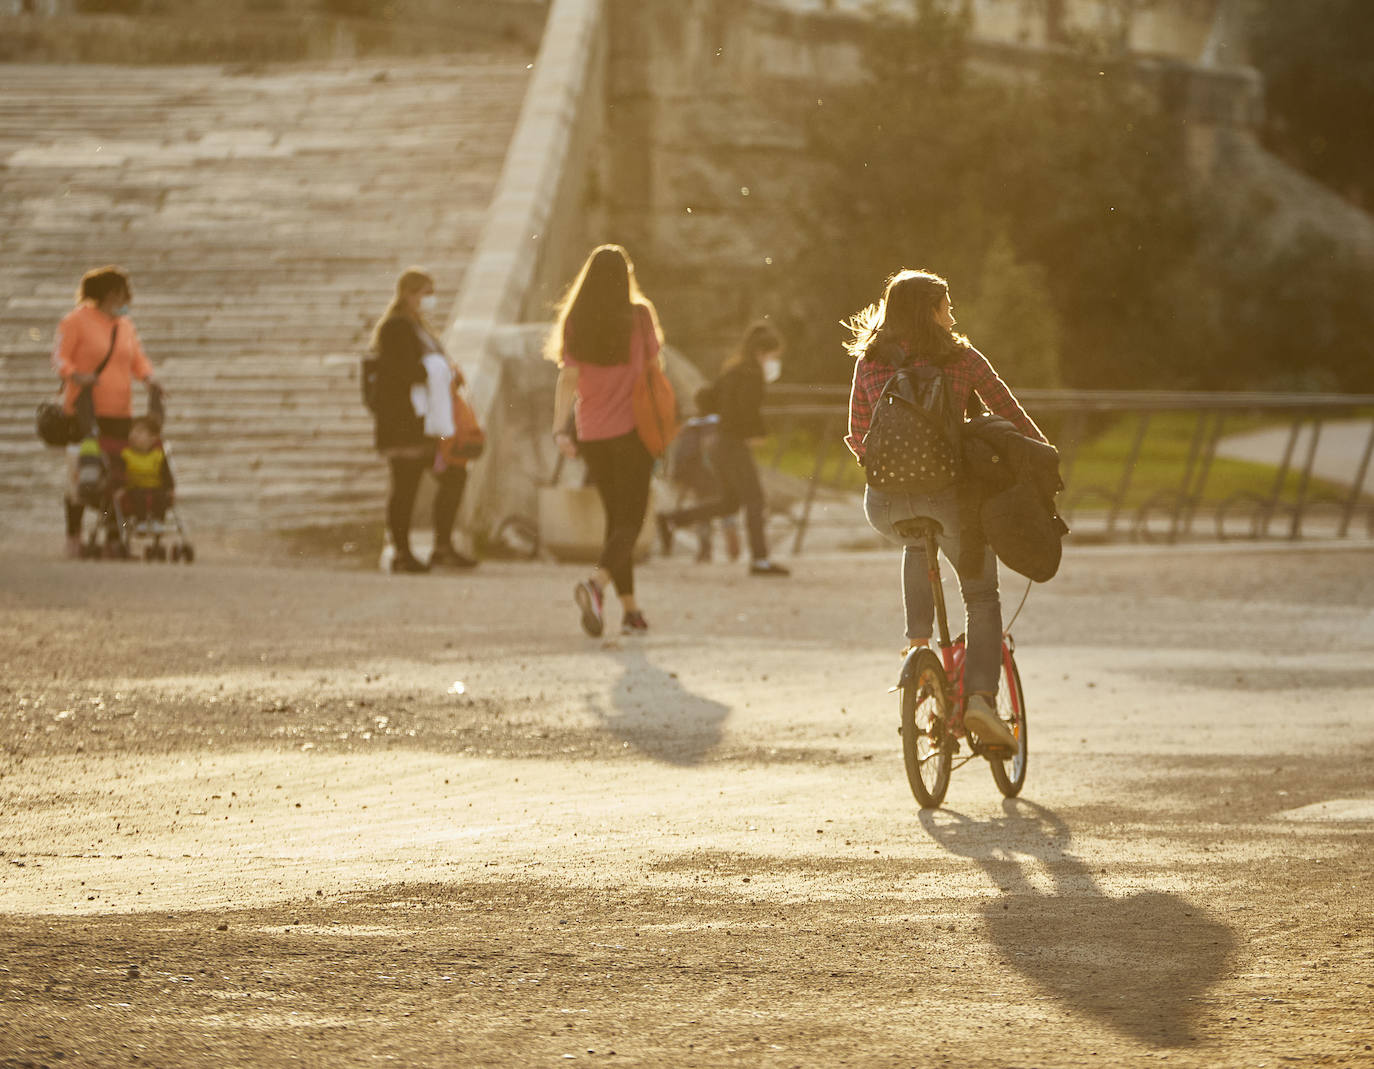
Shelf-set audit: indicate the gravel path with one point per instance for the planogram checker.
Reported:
(278, 813)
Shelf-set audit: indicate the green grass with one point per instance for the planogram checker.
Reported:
(1163, 461)
(1100, 462)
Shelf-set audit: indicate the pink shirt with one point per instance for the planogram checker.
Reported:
(605, 406)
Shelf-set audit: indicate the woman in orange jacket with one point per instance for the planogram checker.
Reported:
(98, 332)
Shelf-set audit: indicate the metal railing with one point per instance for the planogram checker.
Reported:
(813, 419)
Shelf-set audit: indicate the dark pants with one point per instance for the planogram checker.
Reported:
(448, 495)
(739, 487)
(406, 472)
(114, 430)
(620, 470)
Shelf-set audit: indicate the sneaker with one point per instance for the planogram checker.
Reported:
(980, 717)
(634, 624)
(588, 597)
(767, 567)
(406, 564)
(448, 557)
(664, 527)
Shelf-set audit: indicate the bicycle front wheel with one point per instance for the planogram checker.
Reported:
(1010, 773)
(927, 748)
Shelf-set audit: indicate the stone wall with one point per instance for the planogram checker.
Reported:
(1181, 29)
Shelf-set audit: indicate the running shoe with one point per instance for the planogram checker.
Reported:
(634, 624)
(588, 597)
(767, 567)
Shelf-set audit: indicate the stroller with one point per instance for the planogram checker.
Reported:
(133, 512)
(692, 474)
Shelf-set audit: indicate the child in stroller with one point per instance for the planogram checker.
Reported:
(131, 487)
(693, 475)
(148, 481)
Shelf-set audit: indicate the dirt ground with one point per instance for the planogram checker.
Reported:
(265, 813)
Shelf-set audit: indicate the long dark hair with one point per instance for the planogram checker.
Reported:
(411, 281)
(596, 315)
(758, 338)
(906, 317)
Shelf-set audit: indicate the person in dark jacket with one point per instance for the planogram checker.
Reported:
(913, 325)
(414, 409)
(737, 397)
(1007, 500)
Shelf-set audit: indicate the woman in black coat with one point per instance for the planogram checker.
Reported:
(413, 410)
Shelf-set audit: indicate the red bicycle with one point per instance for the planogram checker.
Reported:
(932, 702)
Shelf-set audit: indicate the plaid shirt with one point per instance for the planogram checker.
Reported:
(968, 375)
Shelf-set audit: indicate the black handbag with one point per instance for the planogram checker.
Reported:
(56, 426)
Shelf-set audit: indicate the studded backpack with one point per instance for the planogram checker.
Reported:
(912, 442)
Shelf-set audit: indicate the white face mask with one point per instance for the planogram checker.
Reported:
(772, 368)
(429, 302)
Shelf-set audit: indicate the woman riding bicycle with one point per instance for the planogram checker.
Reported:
(913, 326)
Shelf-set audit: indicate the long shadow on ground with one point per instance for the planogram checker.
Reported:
(1139, 963)
(653, 712)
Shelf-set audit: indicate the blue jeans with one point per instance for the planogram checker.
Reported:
(982, 606)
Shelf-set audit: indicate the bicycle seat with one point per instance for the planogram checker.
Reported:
(917, 528)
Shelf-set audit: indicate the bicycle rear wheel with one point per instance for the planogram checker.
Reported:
(926, 746)
(1010, 773)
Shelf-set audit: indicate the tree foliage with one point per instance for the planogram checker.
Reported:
(1317, 58)
(1059, 204)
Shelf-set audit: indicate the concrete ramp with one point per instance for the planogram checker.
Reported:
(263, 214)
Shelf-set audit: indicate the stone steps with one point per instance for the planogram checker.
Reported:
(263, 217)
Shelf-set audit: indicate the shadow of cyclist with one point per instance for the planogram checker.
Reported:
(653, 712)
(1139, 963)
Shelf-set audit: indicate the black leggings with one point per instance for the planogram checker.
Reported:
(620, 470)
(400, 502)
(115, 427)
(733, 464)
